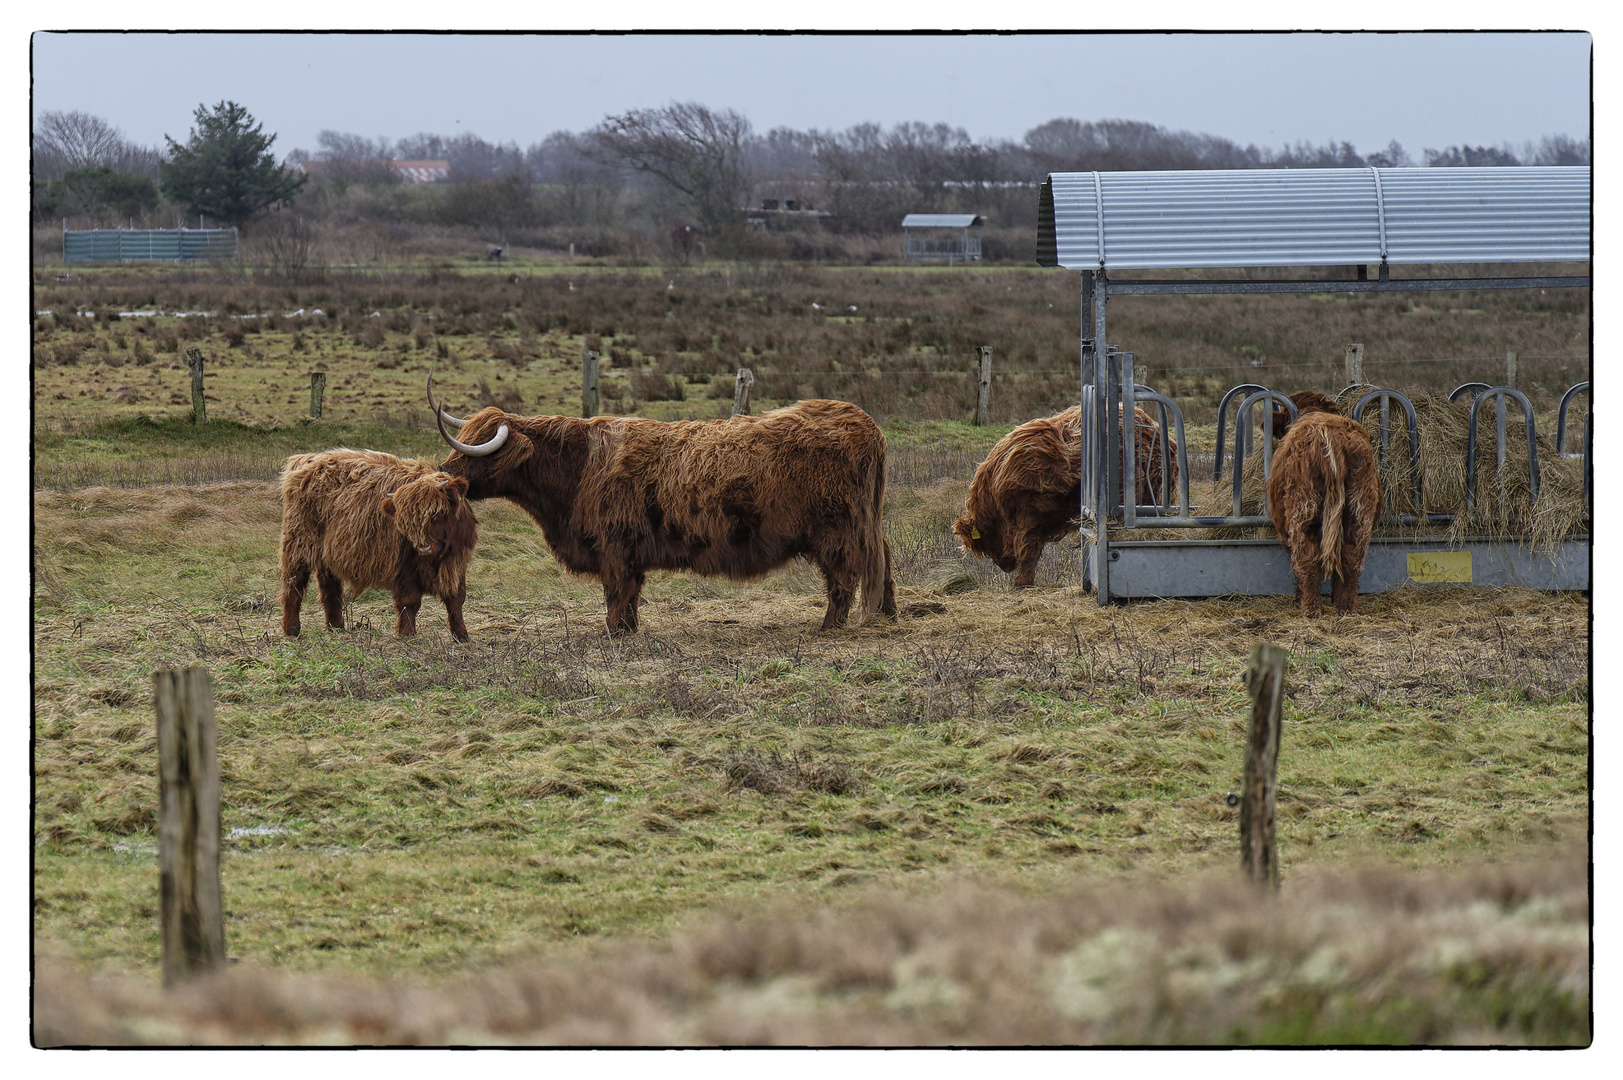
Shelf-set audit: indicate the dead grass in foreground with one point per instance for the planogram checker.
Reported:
(1489, 955)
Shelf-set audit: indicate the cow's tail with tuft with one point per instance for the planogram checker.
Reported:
(876, 563)
(1335, 501)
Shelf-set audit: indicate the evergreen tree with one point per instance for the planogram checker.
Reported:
(225, 170)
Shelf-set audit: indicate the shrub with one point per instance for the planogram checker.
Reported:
(656, 386)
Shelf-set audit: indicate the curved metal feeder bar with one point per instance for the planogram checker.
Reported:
(1454, 394)
(1144, 393)
(1222, 415)
(1498, 393)
(1386, 435)
(1243, 423)
(1561, 417)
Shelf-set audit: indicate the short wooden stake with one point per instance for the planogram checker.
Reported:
(589, 394)
(318, 390)
(1265, 681)
(1510, 369)
(985, 386)
(741, 391)
(194, 360)
(188, 824)
(1355, 364)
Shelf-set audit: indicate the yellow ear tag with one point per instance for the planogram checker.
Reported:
(974, 533)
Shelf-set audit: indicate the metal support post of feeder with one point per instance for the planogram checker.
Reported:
(318, 390)
(1355, 364)
(984, 386)
(188, 824)
(1265, 682)
(1098, 294)
(741, 391)
(588, 384)
(194, 361)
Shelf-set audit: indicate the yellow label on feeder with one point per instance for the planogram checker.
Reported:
(1437, 567)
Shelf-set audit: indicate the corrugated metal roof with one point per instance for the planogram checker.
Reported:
(1313, 217)
(940, 221)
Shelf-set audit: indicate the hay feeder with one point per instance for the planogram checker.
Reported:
(1096, 222)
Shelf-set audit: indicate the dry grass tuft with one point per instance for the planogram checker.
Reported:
(1490, 954)
(1504, 508)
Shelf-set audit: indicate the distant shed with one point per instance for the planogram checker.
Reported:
(942, 237)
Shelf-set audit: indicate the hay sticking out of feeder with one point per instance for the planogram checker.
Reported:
(1504, 509)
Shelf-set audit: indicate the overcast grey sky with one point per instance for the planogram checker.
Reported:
(1425, 90)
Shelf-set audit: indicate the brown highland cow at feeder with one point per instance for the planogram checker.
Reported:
(616, 497)
(373, 521)
(1028, 491)
(1324, 494)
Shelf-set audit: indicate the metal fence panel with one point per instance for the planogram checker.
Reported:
(146, 245)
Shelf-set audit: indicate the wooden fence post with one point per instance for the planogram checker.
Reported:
(188, 824)
(1510, 369)
(589, 397)
(985, 386)
(1265, 681)
(194, 360)
(1355, 364)
(318, 390)
(741, 392)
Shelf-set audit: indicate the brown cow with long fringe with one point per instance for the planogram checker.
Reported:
(1028, 491)
(616, 497)
(374, 521)
(1324, 494)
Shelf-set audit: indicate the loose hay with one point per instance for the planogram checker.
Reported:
(1504, 508)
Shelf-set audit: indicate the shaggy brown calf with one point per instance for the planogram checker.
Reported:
(616, 497)
(1028, 491)
(1324, 494)
(374, 521)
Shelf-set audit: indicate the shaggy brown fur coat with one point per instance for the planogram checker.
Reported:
(616, 497)
(374, 521)
(1324, 495)
(1028, 491)
(1305, 401)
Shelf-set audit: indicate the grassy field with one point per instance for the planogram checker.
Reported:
(901, 343)
(400, 809)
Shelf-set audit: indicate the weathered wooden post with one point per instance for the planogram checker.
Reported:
(985, 386)
(318, 390)
(1355, 364)
(589, 397)
(741, 391)
(1265, 681)
(1510, 369)
(194, 360)
(188, 824)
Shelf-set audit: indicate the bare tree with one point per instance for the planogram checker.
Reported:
(287, 243)
(580, 191)
(81, 140)
(66, 142)
(349, 159)
(697, 153)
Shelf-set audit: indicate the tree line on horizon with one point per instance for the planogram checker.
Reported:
(648, 168)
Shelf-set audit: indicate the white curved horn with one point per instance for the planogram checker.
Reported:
(482, 449)
(438, 411)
